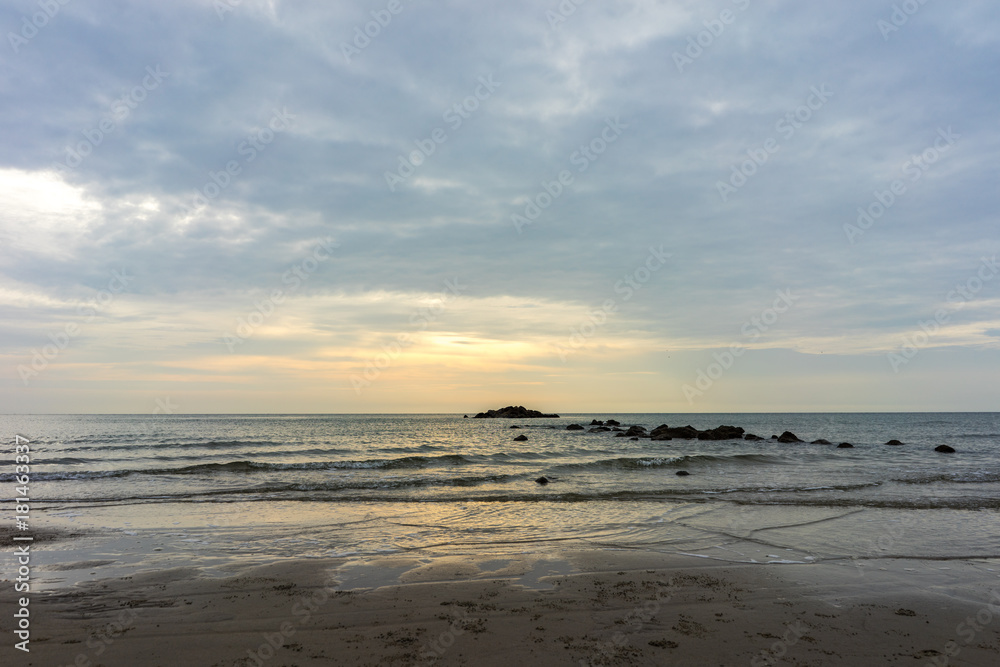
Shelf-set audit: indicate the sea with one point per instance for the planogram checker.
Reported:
(209, 490)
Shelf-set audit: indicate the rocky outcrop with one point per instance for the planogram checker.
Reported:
(722, 433)
(680, 432)
(543, 480)
(594, 422)
(599, 429)
(752, 437)
(515, 426)
(514, 412)
(520, 438)
(944, 449)
(821, 441)
(788, 436)
(612, 422)
(894, 443)
(682, 473)
(845, 445)
(574, 427)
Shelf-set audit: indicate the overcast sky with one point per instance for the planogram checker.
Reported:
(406, 206)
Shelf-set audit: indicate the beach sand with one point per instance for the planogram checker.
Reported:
(578, 608)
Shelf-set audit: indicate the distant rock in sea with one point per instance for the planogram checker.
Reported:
(520, 438)
(894, 443)
(612, 422)
(752, 437)
(664, 432)
(599, 429)
(845, 445)
(514, 412)
(821, 441)
(542, 480)
(944, 449)
(722, 433)
(594, 422)
(515, 426)
(574, 427)
(636, 431)
(682, 473)
(788, 436)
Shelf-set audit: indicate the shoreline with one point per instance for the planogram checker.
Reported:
(580, 607)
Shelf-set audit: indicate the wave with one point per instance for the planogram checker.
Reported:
(651, 462)
(406, 462)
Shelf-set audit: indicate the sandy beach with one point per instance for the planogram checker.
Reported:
(582, 608)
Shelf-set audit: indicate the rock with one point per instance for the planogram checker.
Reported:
(774, 437)
(821, 441)
(612, 422)
(894, 443)
(788, 436)
(574, 427)
(751, 436)
(681, 432)
(520, 438)
(615, 428)
(633, 438)
(845, 445)
(514, 412)
(944, 449)
(543, 480)
(594, 422)
(515, 426)
(465, 416)
(722, 433)
(599, 429)
(682, 473)
(639, 431)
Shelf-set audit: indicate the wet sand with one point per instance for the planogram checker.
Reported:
(584, 607)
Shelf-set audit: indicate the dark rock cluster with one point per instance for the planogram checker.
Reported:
(514, 412)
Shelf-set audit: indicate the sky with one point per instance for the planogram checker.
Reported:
(225, 206)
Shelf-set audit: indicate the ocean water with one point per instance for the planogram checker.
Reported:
(218, 487)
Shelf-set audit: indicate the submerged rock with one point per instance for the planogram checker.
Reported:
(638, 431)
(944, 449)
(543, 480)
(594, 422)
(821, 441)
(574, 427)
(599, 429)
(514, 412)
(788, 436)
(612, 422)
(752, 437)
(682, 473)
(515, 426)
(520, 438)
(894, 443)
(845, 445)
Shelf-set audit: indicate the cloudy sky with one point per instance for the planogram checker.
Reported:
(406, 206)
